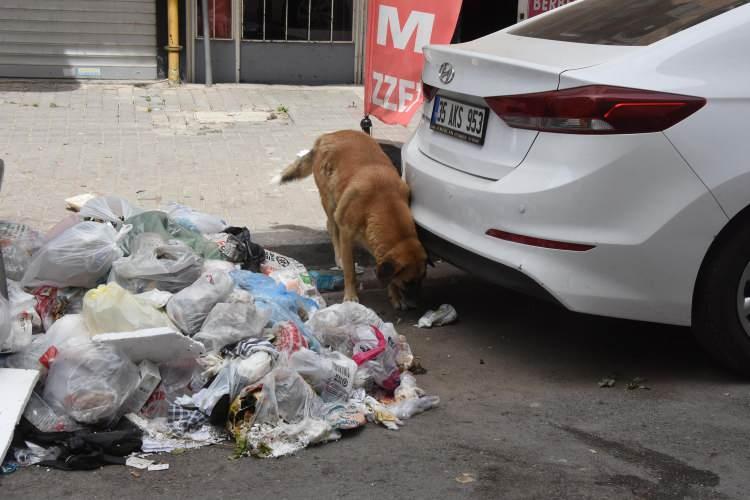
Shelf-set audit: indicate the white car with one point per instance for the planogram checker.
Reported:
(598, 155)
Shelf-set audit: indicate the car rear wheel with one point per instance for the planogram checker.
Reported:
(721, 314)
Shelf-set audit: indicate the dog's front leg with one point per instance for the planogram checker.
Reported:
(346, 243)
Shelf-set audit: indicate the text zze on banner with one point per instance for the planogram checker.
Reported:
(396, 33)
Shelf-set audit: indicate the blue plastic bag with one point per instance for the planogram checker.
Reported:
(284, 305)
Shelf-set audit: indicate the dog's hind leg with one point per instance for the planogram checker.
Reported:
(333, 232)
(346, 244)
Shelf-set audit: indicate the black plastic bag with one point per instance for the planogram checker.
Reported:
(241, 249)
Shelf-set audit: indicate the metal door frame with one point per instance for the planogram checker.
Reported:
(359, 30)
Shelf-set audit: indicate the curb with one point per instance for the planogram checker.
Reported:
(311, 247)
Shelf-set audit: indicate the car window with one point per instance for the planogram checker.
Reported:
(623, 22)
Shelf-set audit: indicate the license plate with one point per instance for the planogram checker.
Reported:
(460, 120)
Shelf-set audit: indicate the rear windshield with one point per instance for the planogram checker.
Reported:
(624, 22)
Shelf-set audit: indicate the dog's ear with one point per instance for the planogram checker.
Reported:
(385, 272)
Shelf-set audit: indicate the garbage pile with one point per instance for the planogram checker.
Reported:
(166, 329)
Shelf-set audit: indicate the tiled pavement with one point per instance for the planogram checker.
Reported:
(211, 148)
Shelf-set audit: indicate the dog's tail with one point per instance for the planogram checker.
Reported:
(301, 168)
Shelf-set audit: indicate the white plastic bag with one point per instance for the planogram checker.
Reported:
(110, 308)
(331, 374)
(190, 307)
(192, 219)
(407, 408)
(6, 341)
(408, 388)
(79, 257)
(444, 315)
(230, 323)
(155, 263)
(23, 319)
(90, 382)
(109, 209)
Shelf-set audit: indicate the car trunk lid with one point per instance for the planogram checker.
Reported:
(499, 64)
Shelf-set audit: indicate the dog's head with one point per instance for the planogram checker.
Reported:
(402, 271)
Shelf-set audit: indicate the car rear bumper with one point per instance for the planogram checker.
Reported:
(633, 197)
(490, 270)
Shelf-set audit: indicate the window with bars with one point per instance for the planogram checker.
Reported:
(219, 19)
(298, 20)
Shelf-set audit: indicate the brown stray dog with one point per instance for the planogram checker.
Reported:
(368, 203)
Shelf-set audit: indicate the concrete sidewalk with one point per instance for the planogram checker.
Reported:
(214, 149)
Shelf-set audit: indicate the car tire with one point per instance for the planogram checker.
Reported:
(716, 316)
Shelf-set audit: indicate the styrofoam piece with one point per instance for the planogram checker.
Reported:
(15, 391)
(76, 203)
(153, 344)
(150, 379)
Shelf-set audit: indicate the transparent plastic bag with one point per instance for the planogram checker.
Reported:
(189, 308)
(108, 209)
(79, 257)
(283, 304)
(18, 243)
(195, 220)
(110, 308)
(375, 354)
(215, 266)
(334, 325)
(90, 382)
(286, 397)
(331, 374)
(155, 263)
(299, 282)
(155, 221)
(68, 331)
(227, 384)
(229, 323)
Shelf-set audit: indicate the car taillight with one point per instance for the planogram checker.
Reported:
(595, 109)
(428, 91)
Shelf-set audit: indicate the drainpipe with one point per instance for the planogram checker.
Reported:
(174, 47)
(206, 45)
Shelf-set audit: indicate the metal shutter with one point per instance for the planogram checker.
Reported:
(107, 39)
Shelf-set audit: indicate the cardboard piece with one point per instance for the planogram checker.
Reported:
(153, 344)
(16, 387)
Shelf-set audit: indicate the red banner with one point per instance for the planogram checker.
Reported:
(537, 7)
(396, 33)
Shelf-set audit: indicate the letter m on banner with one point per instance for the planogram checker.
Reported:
(396, 33)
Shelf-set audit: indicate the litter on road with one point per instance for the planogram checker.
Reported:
(444, 315)
(128, 331)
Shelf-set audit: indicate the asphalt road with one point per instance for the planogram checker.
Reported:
(521, 416)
